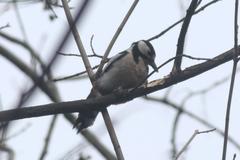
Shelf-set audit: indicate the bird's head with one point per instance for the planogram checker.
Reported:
(147, 52)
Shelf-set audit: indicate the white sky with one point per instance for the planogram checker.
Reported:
(143, 127)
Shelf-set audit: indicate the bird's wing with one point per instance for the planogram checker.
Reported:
(114, 59)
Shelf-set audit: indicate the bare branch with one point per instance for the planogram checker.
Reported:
(194, 117)
(72, 76)
(182, 35)
(97, 103)
(91, 138)
(196, 132)
(48, 137)
(5, 26)
(77, 55)
(168, 61)
(53, 58)
(207, 89)
(24, 45)
(235, 61)
(20, 22)
(91, 45)
(28, 71)
(115, 37)
(8, 150)
(110, 129)
(87, 65)
(234, 156)
(17, 133)
(51, 93)
(181, 20)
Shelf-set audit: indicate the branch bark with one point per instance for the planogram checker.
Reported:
(230, 94)
(99, 102)
(182, 35)
(92, 78)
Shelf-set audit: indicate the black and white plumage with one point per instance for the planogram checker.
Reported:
(126, 70)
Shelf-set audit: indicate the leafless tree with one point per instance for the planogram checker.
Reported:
(42, 76)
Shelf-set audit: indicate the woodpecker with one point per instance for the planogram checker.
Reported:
(126, 70)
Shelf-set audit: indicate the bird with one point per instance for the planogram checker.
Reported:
(126, 70)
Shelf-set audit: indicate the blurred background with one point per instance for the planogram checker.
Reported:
(150, 128)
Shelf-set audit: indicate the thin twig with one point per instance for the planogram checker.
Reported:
(194, 117)
(72, 76)
(165, 63)
(174, 130)
(91, 45)
(21, 25)
(69, 54)
(5, 26)
(181, 110)
(48, 137)
(235, 61)
(207, 89)
(24, 45)
(17, 133)
(115, 37)
(196, 132)
(182, 35)
(23, 31)
(48, 5)
(181, 20)
(77, 55)
(91, 138)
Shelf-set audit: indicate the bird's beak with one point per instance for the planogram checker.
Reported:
(154, 66)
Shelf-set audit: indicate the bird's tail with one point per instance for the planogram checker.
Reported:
(86, 118)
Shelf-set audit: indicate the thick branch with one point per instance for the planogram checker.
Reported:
(182, 35)
(97, 103)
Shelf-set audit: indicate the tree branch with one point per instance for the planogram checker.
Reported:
(182, 35)
(92, 139)
(5, 26)
(78, 41)
(98, 102)
(195, 117)
(88, 67)
(196, 132)
(24, 45)
(48, 138)
(115, 37)
(28, 71)
(181, 20)
(53, 95)
(235, 61)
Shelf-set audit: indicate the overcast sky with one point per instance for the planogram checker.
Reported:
(143, 127)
